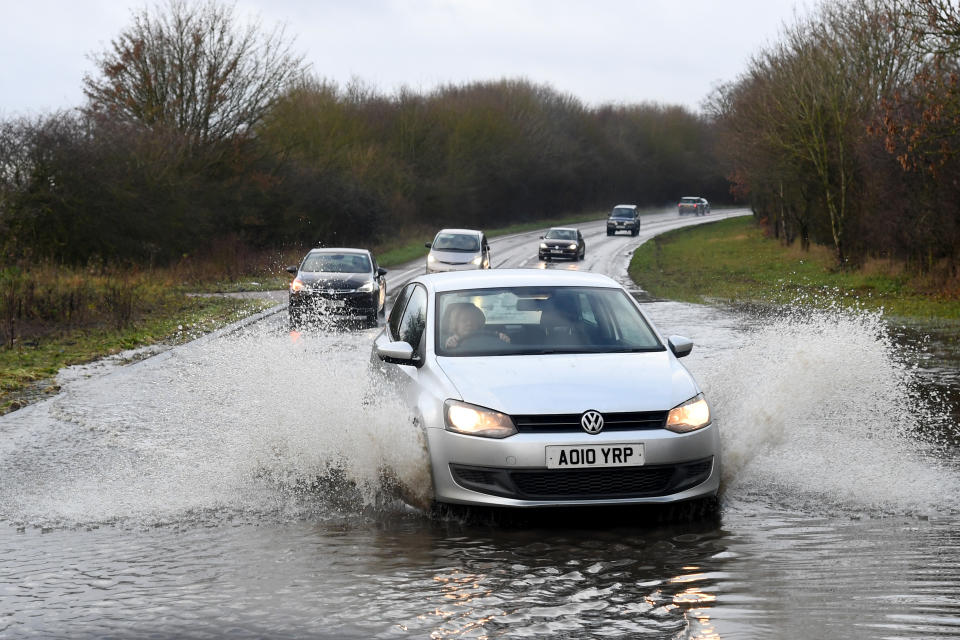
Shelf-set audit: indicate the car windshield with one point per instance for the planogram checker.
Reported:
(456, 242)
(561, 234)
(540, 320)
(690, 201)
(336, 263)
(623, 212)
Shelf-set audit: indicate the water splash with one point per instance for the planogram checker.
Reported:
(256, 424)
(820, 410)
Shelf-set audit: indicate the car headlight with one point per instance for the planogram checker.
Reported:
(477, 260)
(366, 287)
(472, 420)
(543, 245)
(431, 258)
(297, 285)
(572, 246)
(691, 415)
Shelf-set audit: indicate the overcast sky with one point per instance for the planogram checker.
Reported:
(622, 51)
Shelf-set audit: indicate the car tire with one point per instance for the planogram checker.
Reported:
(609, 233)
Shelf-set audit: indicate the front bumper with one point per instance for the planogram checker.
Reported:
(512, 472)
(559, 252)
(622, 226)
(442, 267)
(335, 304)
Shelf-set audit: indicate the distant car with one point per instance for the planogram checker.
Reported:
(339, 284)
(562, 242)
(543, 388)
(624, 217)
(457, 250)
(693, 204)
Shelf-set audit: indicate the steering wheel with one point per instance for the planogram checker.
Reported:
(480, 341)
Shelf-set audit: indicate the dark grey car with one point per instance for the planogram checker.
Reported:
(562, 242)
(345, 285)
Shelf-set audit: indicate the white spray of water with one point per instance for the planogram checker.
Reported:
(818, 410)
(256, 423)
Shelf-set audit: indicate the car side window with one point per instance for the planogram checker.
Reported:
(414, 319)
(397, 311)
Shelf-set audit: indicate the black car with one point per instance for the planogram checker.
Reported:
(624, 217)
(338, 284)
(562, 242)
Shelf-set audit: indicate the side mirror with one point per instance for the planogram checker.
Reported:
(381, 271)
(541, 237)
(680, 346)
(292, 270)
(427, 244)
(395, 352)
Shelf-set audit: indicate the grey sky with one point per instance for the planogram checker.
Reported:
(669, 51)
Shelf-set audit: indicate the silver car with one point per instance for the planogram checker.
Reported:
(458, 249)
(547, 388)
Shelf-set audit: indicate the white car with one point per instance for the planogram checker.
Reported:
(458, 249)
(546, 388)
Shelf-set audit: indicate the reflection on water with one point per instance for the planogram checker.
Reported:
(245, 487)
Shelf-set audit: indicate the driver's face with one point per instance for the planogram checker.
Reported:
(467, 323)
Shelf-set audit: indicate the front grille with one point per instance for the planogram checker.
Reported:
(583, 484)
(562, 423)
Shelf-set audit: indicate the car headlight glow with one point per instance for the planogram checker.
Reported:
(572, 246)
(431, 258)
(543, 245)
(477, 260)
(472, 420)
(297, 285)
(366, 287)
(691, 415)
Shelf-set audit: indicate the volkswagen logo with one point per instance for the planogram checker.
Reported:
(592, 422)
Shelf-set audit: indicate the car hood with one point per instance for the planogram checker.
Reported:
(455, 257)
(327, 280)
(551, 242)
(571, 383)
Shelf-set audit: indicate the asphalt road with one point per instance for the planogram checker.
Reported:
(609, 255)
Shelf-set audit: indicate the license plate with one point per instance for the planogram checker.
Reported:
(556, 250)
(335, 304)
(595, 455)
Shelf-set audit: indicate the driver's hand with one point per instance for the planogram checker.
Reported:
(452, 341)
(504, 337)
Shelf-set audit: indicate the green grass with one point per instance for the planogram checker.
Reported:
(27, 369)
(732, 261)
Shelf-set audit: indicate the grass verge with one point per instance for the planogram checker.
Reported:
(733, 261)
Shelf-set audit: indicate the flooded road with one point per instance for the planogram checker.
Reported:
(247, 486)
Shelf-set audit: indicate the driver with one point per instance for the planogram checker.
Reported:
(466, 321)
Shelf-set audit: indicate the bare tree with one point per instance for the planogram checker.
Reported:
(192, 68)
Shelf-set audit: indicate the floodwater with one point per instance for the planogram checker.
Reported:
(246, 486)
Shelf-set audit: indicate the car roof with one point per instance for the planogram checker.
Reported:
(690, 198)
(463, 231)
(625, 206)
(496, 278)
(562, 229)
(338, 250)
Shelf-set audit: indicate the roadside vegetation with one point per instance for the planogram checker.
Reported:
(845, 134)
(738, 261)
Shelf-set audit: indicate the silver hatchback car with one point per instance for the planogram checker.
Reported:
(547, 388)
(457, 250)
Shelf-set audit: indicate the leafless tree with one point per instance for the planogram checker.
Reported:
(193, 68)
